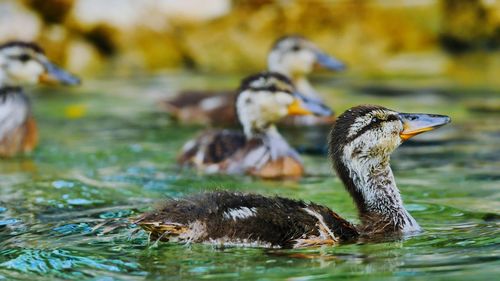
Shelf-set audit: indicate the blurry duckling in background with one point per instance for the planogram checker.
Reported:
(296, 57)
(259, 149)
(23, 63)
(361, 143)
(292, 56)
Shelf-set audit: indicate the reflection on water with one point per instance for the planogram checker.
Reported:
(64, 210)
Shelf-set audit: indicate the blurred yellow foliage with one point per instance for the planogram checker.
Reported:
(372, 36)
(75, 111)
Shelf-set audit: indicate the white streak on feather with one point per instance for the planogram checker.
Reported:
(239, 242)
(196, 231)
(321, 221)
(240, 213)
(212, 103)
(189, 145)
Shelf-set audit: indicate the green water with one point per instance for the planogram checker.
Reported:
(107, 153)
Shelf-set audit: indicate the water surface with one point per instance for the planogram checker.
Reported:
(107, 153)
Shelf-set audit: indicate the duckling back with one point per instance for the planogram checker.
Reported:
(237, 219)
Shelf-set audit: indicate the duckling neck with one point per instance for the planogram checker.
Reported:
(6, 90)
(304, 87)
(275, 146)
(300, 82)
(371, 183)
(262, 131)
(3, 80)
(254, 127)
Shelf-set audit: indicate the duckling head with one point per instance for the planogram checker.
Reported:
(295, 56)
(267, 97)
(26, 63)
(371, 131)
(360, 146)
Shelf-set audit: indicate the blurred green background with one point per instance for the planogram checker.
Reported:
(455, 39)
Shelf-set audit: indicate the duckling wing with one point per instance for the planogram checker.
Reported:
(237, 219)
(203, 107)
(188, 98)
(212, 148)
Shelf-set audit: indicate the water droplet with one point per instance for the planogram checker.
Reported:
(79, 201)
(62, 184)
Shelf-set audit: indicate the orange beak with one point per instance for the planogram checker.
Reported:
(45, 78)
(308, 106)
(296, 108)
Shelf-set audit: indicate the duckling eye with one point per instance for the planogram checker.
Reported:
(24, 58)
(272, 88)
(375, 120)
(295, 48)
(392, 118)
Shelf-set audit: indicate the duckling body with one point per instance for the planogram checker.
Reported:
(292, 56)
(259, 149)
(18, 131)
(238, 219)
(22, 62)
(265, 155)
(360, 146)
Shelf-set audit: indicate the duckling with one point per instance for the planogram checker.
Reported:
(292, 56)
(23, 62)
(360, 145)
(259, 150)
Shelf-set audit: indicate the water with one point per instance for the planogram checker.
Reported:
(107, 153)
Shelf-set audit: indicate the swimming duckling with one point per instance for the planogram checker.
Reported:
(361, 143)
(23, 62)
(292, 56)
(259, 150)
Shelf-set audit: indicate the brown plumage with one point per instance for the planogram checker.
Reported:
(22, 139)
(223, 151)
(31, 136)
(212, 147)
(192, 107)
(239, 219)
